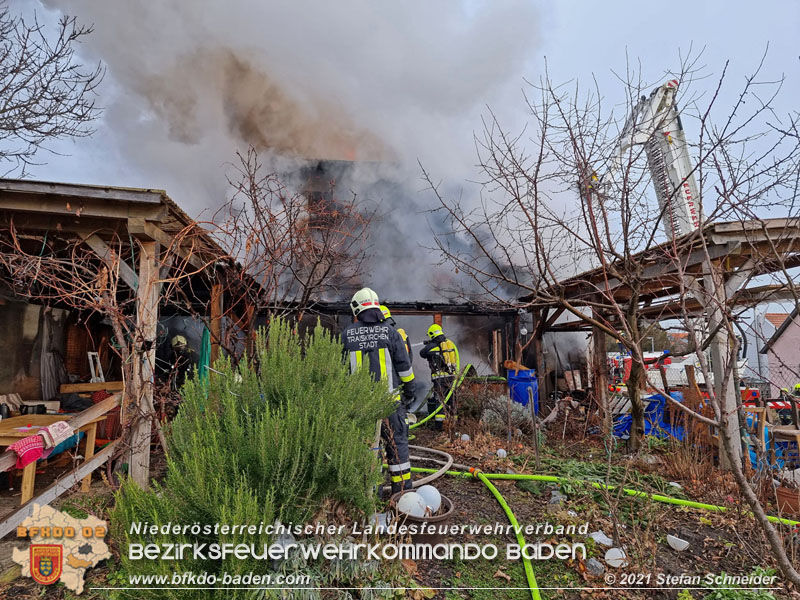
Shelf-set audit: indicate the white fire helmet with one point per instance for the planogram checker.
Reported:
(363, 299)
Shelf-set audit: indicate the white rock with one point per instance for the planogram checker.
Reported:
(594, 567)
(431, 497)
(675, 484)
(791, 475)
(412, 504)
(677, 543)
(285, 539)
(601, 538)
(465, 438)
(615, 557)
(381, 521)
(501, 453)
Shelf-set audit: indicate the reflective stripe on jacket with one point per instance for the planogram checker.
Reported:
(441, 356)
(404, 335)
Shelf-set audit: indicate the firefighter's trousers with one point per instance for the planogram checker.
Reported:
(441, 386)
(394, 432)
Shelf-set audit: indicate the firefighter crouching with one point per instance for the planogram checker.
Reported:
(371, 343)
(442, 357)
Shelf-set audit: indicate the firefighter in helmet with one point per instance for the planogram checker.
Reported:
(387, 318)
(442, 357)
(786, 415)
(182, 359)
(374, 344)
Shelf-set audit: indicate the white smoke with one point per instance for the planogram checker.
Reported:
(189, 84)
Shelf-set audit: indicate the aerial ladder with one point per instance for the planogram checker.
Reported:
(655, 124)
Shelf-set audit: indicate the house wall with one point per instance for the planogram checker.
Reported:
(784, 359)
(21, 344)
(757, 335)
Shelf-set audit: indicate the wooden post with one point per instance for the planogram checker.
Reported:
(28, 477)
(437, 319)
(215, 328)
(541, 370)
(141, 401)
(91, 437)
(535, 423)
(539, 318)
(497, 363)
(249, 328)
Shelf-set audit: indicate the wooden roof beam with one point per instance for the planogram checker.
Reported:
(112, 260)
(77, 190)
(142, 229)
(77, 207)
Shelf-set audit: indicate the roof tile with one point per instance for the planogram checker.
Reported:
(776, 319)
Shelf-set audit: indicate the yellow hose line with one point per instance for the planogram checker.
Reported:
(635, 493)
(526, 562)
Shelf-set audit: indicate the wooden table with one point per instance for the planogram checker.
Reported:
(9, 434)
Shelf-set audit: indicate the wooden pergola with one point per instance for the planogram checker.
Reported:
(144, 237)
(741, 250)
(678, 278)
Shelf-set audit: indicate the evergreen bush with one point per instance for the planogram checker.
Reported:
(273, 438)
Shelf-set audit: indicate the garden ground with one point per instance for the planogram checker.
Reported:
(719, 543)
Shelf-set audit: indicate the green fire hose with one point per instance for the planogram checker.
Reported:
(632, 492)
(456, 382)
(601, 486)
(526, 562)
(486, 477)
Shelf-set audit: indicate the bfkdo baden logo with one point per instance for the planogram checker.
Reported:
(46, 562)
(61, 548)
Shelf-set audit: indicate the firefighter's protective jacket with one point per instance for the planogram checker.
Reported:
(379, 347)
(441, 356)
(404, 335)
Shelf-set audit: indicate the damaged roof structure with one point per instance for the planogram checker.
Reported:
(128, 257)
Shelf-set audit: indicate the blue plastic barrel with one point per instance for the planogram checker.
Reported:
(520, 383)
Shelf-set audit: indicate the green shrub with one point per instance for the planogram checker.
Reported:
(273, 438)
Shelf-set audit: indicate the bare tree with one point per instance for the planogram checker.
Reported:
(45, 92)
(570, 225)
(292, 249)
